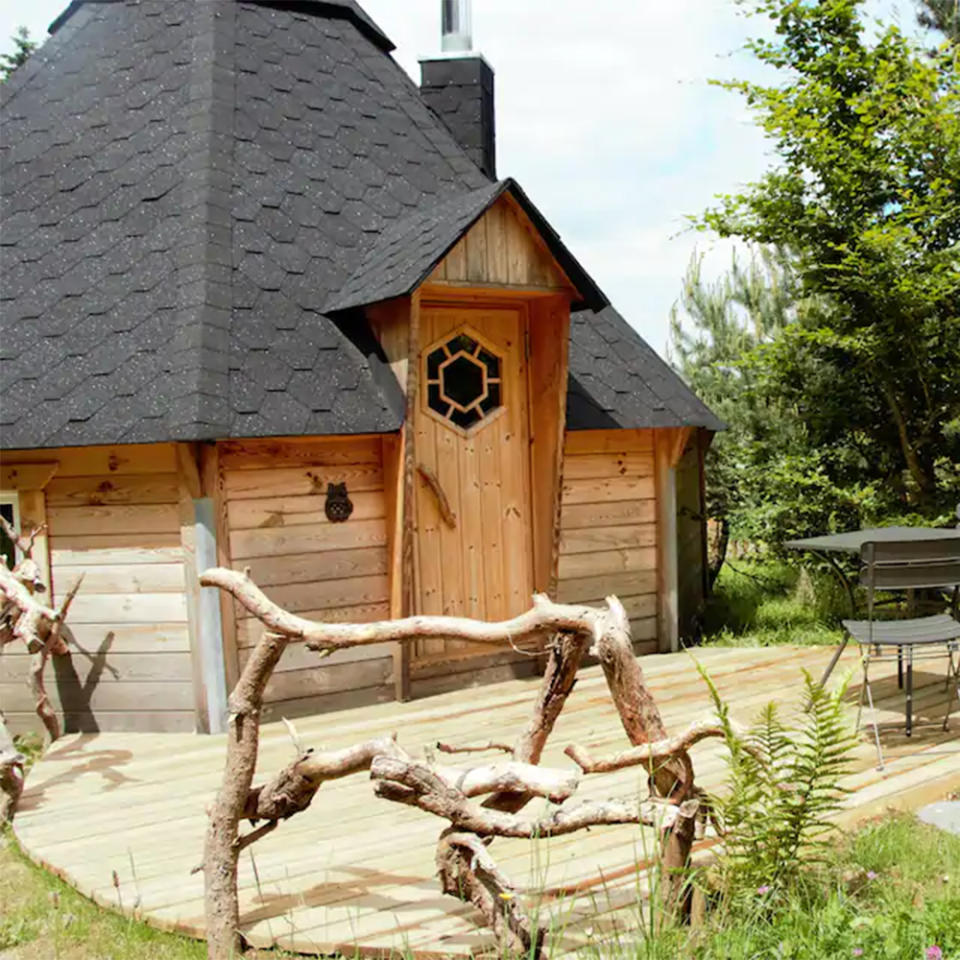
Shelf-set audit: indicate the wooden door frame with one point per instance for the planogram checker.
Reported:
(546, 320)
(547, 371)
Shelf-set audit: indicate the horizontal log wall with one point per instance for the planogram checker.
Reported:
(112, 513)
(275, 501)
(608, 530)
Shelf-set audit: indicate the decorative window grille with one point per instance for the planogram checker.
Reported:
(464, 380)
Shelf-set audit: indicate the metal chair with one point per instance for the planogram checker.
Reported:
(908, 566)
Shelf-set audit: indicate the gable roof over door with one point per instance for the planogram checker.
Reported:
(188, 188)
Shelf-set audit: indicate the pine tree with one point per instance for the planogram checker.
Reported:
(942, 15)
(23, 47)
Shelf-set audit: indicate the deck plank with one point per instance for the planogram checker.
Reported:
(372, 889)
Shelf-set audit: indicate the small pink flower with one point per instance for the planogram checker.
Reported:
(934, 953)
(871, 875)
(858, 951)
(764, 890)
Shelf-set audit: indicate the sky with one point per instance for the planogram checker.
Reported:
(606, 118)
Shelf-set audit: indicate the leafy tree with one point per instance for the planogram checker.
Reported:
(866, 195)
(787, 465)
(23, 47)
(942, 15)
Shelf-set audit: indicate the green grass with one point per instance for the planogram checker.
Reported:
(42, 918)
(762, 604)
(891, 891)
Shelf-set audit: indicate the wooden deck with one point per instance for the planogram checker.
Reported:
(356, 874)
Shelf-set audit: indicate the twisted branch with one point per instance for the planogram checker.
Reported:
(416, 785)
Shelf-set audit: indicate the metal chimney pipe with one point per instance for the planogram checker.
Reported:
(455, 30)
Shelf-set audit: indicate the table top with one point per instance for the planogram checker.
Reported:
(853, 540)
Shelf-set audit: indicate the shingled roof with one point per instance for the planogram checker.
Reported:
(188, 186)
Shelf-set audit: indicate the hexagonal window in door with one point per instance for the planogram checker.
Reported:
(463, 382)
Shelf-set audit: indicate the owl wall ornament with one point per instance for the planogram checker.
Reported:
(338, 506)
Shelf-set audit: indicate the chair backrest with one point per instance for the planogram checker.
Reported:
(909, 564)
(905, 564)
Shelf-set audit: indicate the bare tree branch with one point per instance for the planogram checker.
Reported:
(474, 747)
(545, 617)
(646, 753)
(416, 785)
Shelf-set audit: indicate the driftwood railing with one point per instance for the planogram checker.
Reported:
(24, 618)
(466, 867)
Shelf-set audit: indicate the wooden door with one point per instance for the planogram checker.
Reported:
(474, 553)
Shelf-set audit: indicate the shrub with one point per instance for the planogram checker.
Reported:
(784, 785)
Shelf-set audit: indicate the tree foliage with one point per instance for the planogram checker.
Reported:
(23, 47)
(865, 194)
(788, 465)
(942, 15)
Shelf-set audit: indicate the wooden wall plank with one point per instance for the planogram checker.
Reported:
(124, 638)
(593, 466)
(629, 581)
(258, 454)
(314, 567)
(630, 512)
(113, 609)
(26, 476)
(131, 518)
(608, 540)
(308, 538)
(98, 491)
(114, 549)
(612, 488)
(298, 657)
(107, 461)
(573, 565)
(290, 511)
(331, 678)
(109, 667)
(250, 629)
(301, 481)
(590, 539)
(124, 578)
(102, 696)
(326, 594)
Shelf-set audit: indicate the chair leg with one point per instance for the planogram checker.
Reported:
(863, 688)
(899, 668)
(909, 704)
(953, 677)
(873, 711)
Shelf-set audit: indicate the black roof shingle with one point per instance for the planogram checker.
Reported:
(189, 187)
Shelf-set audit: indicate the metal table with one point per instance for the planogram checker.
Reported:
(851, 542)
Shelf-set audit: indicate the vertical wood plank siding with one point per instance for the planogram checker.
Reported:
(690, 532)
(608, 529)
(113, 514)
(275, 497)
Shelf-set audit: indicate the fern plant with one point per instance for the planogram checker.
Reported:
(784, 784)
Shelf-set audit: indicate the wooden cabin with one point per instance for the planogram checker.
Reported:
(266, 305)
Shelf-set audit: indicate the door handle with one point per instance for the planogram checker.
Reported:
(443, 504)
